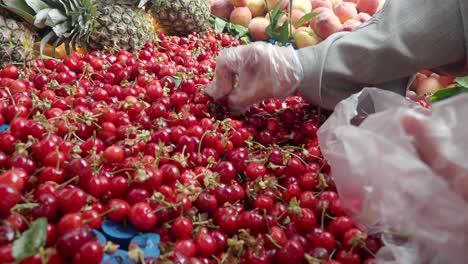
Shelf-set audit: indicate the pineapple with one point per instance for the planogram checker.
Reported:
(92, 25)
(179, 17)
(122, 26)
(16, 39)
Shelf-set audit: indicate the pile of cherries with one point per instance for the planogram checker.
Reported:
(133, 138)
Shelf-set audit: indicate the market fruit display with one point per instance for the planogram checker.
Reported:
(179, 17)
(323, 17)
(123, 156)
(16, 39)
(88, 24)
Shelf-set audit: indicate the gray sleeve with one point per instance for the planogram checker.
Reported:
(403, 38)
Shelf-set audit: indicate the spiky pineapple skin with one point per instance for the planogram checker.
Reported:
(181, 17)
(16, 39)
(119, 26)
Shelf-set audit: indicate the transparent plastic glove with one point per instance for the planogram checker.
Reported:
(252, 73)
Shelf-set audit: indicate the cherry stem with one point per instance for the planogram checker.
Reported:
(201, 223)
(332, 254)
(122, 170)
(322, 217)
(101, 214)
(57, 151)
(273, 241)
(11, 96)
(67, 182)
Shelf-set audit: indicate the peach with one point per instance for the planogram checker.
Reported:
(351, 25)
(305, 36)
(241, 16)
(321, 3)
(257, 7)
(319, 11)
(326, 24)
(368, 6)
(363, 17)
(221, 8)
(335, 2)
(272, 3)
(428, 86)
(257, 28)
(303, 5)
(239, 3)
(296, 15)
(345, 11)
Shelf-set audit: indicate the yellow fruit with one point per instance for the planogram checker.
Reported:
(60, 51)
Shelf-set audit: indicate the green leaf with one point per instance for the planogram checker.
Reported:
(275, 14)
(269, 31)
(220, 25)
(36, 5)
(25, 206)
(55, 17)
(20, 8)
(178, 81)
(246, 40)
(284, 33)
(29, 243)
(142, 3)
(240, 30)
(306, 18)
(41, 17)
(447, 93)
(462, 81)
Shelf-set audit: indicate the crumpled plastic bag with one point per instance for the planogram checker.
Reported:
(420, 214)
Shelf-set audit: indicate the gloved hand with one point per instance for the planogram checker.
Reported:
(252, 73)
(432, 144)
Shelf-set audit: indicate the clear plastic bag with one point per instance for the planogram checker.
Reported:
(388, 189)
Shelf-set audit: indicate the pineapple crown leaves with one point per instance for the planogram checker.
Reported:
(69, 21)
(143, 3)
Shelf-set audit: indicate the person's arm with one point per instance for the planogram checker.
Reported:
(405, 37)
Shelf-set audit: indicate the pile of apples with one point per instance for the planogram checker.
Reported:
(333, 16)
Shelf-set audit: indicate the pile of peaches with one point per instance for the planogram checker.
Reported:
(332, 16)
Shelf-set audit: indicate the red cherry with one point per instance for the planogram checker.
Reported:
(89, 253)
(142, 217)
(182, 228)
(10, 197)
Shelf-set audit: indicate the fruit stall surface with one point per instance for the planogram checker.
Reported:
(111, 151)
